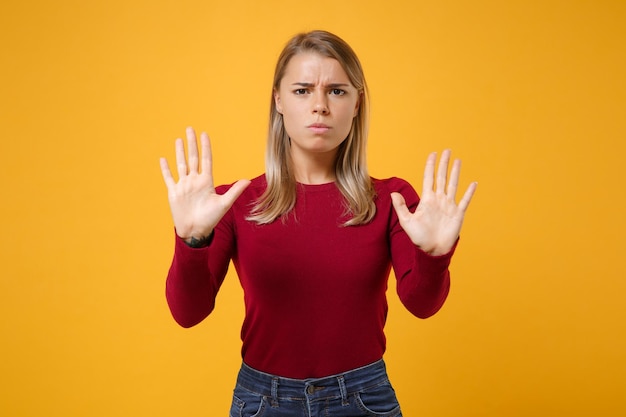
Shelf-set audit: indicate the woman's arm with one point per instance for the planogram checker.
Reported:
(424, 236)
(202, 252)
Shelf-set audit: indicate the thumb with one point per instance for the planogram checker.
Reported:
(399, 204)
(235, 191)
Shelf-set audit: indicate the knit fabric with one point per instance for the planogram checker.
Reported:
(314, 290)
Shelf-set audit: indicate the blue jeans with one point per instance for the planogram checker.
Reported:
(362, 392)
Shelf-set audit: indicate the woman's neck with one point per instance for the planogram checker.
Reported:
(313, 179)
(314, 169)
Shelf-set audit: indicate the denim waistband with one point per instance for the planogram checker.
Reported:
(333, 386)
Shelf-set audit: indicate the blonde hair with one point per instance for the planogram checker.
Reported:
(353, 179)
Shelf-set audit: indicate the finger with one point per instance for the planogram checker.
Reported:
(453, 182)
(192, 151)
(207, 156)
(235, 191)
(399, 204)
(467, 197)
(181, 164)
(442, 172)
(429, 172)
(167, 174)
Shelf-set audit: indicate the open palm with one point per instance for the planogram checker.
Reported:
(435, 224)
(196, 207)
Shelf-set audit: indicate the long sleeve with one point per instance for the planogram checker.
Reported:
(196, 275)
(423, 281)
(314, 289)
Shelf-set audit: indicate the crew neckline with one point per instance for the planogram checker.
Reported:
(317, 187)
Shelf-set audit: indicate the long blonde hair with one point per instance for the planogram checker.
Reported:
(353, 179)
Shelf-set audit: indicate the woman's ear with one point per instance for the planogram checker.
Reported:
(358, 104)
(279, 108)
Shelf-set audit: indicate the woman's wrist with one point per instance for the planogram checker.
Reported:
(198, 241)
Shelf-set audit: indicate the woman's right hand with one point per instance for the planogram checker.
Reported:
(196, 207)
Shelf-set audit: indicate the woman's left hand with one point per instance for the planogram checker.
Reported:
(436, 223)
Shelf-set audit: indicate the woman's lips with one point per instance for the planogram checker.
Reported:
(319, 128)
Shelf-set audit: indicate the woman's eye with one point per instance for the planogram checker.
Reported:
(337, 91)
(300, 91)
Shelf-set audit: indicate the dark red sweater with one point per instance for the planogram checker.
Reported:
(314, 290)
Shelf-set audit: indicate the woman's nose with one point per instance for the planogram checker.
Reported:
(320, 106)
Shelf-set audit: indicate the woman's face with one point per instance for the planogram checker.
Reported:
(317, 102)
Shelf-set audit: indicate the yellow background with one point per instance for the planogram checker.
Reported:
(530, 94)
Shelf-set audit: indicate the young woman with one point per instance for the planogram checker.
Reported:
(313, 241)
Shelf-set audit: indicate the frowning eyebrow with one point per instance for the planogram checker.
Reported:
(332, 85)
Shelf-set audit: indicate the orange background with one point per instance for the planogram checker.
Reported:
(530, 94)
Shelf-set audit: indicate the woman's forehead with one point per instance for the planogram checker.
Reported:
(311, 66)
